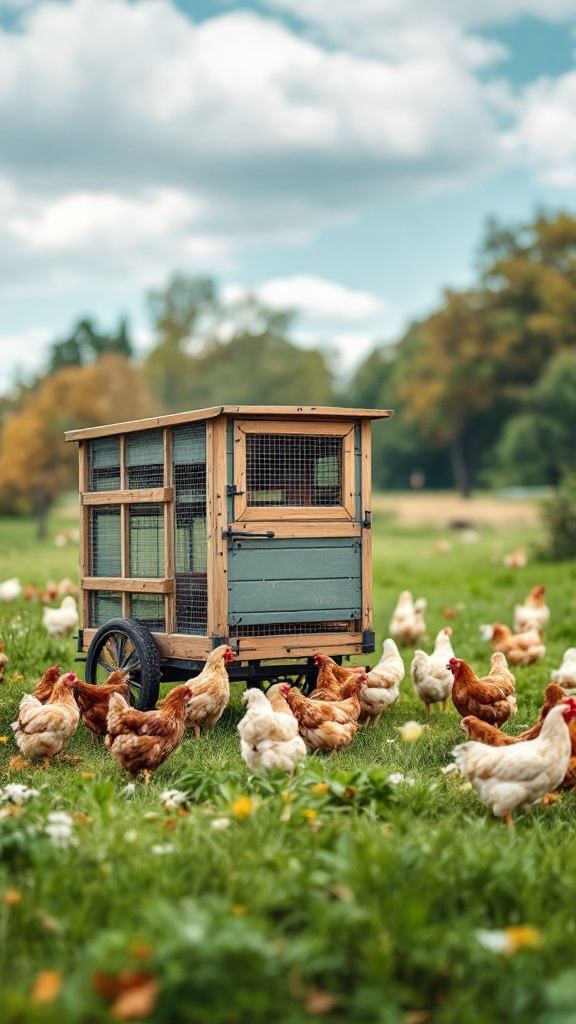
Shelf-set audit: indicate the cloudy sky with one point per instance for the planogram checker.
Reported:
(336, 156)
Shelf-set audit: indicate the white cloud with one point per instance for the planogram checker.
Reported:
(20, 350)
(544, 136)
(313, 296)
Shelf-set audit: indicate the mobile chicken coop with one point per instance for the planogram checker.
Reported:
(245, 525)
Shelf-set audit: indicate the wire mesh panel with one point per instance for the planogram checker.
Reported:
(104, 464)
(289, 469)
(104, 605)
(190, 515)
(149, 610)
(105, 559)
(146, 544)
(189, 453)
(291, 629)
(145, 459)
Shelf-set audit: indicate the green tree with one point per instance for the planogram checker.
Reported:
(86, 344)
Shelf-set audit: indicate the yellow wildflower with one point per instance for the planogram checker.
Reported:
(320, 787)
(47, 985)
(522, 936)
(309, 814)
(3, 739)
(242, 807)
(411, 731)
(238, 909)
(11, 897)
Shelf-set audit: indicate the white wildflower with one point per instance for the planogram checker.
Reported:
(131, 835)
(60, 818)
(160, 849)
(17, 793)
(128, 790)
(173, 798)
(495, 941)
(219, 824)
(396, 778)
(391, 741)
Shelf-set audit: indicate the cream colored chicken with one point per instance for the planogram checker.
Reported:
(269, 739)
(519, 648)
(566, 674)
(210, 690)
(407, 623)
(431, 677)
(534, 613)
(381, 685)
(43, 730)
(61, 621)
(278, 700)
(513, 777)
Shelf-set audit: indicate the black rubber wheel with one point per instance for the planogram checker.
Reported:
(126, 644)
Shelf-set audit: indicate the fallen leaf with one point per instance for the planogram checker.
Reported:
(46, 987)
(318, 1001)
(136, 1002)
(16, 763)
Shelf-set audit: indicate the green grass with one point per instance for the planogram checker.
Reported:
(340, 896)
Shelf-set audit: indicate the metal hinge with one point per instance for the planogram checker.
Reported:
(232, 491)
(367, 521)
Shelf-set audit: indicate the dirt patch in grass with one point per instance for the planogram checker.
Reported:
(445, 509)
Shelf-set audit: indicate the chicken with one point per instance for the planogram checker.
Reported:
(324, 725)
(43, 730)
(534, 613)
(566, 674)
(476, 729)
(43, 689)
(431, 677)
(61, 621)
(519, 648)
(3, 660)
(514, 777)
(140, 741)
(407, 623)
(381, 685)
(269, 739)
(278, 700)
(10, 589)
(211, 690)
(517, 559)
(490, 697)
(333, 690)
(331, 676)
(93, 700)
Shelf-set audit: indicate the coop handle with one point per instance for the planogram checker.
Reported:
(246, 533)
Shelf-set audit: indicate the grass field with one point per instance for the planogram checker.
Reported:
(337, 895)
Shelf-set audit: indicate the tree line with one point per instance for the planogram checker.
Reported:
(484, 388)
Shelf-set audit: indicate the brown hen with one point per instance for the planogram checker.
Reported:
(140, 741)
(491, 698)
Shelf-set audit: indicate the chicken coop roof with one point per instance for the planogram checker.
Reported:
(293, 412)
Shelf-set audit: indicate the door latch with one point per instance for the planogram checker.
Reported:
(246, 533)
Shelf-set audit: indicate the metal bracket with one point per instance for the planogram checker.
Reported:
(232, 491)
(367, 521)
(246, 533)
(368, 641)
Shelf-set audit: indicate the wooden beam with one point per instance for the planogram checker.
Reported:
(216, 524)
(126, 497)
(132, 585)
(366, 507)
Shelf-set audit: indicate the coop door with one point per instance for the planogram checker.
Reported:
(294, 550)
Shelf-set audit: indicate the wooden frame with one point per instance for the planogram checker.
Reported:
(301, 428)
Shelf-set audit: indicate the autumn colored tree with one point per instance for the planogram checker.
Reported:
(36, 464)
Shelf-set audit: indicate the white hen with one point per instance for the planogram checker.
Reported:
(534, 613)
(382, 684)
(10, 589)
(268, 738)
(431, 677)
(566, 674)
(513, 777)
(407, 622)
(61, 621)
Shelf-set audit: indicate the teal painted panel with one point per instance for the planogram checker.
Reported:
(294, 580)
(282, 560)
